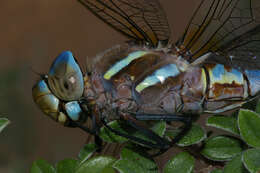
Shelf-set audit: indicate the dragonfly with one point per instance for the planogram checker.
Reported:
(213, 67)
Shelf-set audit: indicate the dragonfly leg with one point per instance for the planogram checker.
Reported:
(94, 130)
(98, 140)
(187, 120)
(160, 143)
(163, 117)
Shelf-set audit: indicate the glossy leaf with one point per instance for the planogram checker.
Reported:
(181, 163)
(224, 123)
(221, 148)
(195, 135)
(86, 152)
(3, 123)
(235, 165)
(42, 166)
(132, 162)
(67, 166)
(249, 125)
(159, 128)
(99, 164)
(251, 160)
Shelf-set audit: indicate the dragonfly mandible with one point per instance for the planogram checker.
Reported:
(214, 67)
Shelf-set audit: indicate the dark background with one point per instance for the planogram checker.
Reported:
(32, 34)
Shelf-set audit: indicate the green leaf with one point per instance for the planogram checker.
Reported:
(195, 135)
(67, 166)
(132, 162)
(42, 166)
(251, 160)
(181, 163)
(3, 123)
(224, 123)
(109, 136)
(86, 152)
(221, 148)
(249, 125)
(217, 171)
(257, 110)
(235, 165)
(101, 164)
(159, 128)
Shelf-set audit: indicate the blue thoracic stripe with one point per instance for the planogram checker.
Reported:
(123, 63)
(160, 75)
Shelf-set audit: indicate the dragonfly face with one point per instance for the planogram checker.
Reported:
(213, 67)
(57, 94)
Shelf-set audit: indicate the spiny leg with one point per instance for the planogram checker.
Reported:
(163, 143)
(98, 140)
(94, 126)
(169, 118)
(160, 142)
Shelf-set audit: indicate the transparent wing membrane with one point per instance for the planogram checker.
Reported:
(141, 20)
(244, 51)
(217, 26)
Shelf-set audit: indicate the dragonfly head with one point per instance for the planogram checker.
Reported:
(58, 94)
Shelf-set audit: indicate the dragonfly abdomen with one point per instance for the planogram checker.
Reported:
(229, 88)
(225, 83)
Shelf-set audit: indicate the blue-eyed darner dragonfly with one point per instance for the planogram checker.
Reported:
(214, 67)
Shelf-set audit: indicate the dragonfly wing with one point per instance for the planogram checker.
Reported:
(242, 53)
(223, 21)
(140, 20)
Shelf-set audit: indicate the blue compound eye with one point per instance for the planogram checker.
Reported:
(65, 78)
(47, 102)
